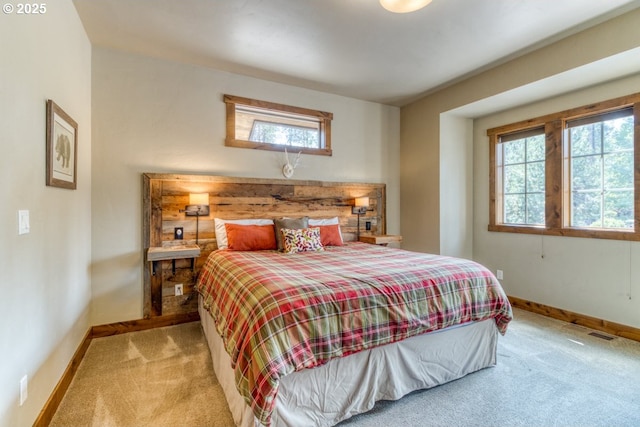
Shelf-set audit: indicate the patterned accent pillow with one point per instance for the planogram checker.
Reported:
(302, 240)
(291, 223)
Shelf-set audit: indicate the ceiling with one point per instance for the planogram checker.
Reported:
(353, 48)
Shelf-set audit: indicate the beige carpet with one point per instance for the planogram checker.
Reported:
(159, 377)
(549, 373)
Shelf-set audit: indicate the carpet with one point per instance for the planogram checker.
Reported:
(549, 373)
(158, 377)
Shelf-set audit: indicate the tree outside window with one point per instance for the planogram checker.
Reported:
(601, 173)
(524, 180)
(573, 173)
(264, 125)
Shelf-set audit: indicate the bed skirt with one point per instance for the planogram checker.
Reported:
(344, 387)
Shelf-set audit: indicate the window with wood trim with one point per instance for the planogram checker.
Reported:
(270, 126)
(520, 163)
(573, 173)
(599, 172)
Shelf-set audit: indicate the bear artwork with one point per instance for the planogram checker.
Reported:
(63, 150)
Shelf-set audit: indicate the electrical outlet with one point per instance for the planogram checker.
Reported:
(178, 289)
(178, 232)
(499, 274)
(367, 225)
(24, 389)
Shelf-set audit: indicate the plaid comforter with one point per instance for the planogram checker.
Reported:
(279, 313)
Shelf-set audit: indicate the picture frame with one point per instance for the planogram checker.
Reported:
(62, 148)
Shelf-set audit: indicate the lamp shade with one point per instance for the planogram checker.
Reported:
(362, 201)
(199, 199)
(404, 6)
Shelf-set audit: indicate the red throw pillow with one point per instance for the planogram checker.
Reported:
(250, 237)
(330, 235)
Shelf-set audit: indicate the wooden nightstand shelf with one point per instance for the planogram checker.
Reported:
(162, 280)
(173, 253)
(382, 240)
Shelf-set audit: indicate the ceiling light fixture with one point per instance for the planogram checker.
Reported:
(404, 6)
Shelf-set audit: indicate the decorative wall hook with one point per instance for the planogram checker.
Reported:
(288, 168)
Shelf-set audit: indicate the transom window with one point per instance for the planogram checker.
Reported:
(573, 173)
(270, 126)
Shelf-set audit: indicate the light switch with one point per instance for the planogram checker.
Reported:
(23, 222)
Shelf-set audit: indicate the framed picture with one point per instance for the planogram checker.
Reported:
(62, 148)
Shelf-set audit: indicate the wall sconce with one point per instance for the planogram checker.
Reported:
(360, 208)
(198, 206)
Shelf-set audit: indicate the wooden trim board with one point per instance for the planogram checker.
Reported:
(611, 328)
(51, 406)
(142, 324)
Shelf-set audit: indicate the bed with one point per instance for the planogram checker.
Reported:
(315, 337)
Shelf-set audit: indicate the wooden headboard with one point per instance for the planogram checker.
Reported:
(166, 195)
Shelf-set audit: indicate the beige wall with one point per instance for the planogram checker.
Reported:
(427, 219)
(592, 276)
(420, 121)
(157, 116)
(44, 307)
(456, 170)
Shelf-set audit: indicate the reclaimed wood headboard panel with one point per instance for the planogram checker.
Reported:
(166, 195)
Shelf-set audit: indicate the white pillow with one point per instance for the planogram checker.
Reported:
(221, 231)
(314, 222)
(323, 221)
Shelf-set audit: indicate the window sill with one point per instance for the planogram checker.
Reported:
(274, 147)
(630, 235)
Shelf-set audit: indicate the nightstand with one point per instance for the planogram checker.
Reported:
(173, 253)
(156, 255)
(382, 240)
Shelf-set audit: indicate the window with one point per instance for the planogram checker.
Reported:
(521, 160)
(571, 173)
(269, 126)
(600, 171)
